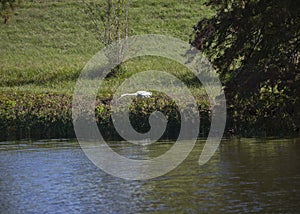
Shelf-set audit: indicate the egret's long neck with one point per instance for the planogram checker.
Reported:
(133, 94)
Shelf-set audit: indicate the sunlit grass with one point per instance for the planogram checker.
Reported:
(48, 43)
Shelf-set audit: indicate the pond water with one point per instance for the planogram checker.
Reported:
(245, 175)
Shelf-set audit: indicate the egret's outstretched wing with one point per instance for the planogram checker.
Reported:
(141, 94)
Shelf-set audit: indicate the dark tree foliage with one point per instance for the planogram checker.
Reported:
(254, 44)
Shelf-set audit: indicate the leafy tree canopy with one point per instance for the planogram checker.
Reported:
(254, 44)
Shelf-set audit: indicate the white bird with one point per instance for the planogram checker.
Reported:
(140, 94)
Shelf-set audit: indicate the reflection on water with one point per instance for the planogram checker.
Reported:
(243, 176)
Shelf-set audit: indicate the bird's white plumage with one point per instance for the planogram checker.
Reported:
(141, 94)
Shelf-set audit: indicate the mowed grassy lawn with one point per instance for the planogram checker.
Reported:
(48, 42)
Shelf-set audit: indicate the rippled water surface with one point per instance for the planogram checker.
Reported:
(243, 176)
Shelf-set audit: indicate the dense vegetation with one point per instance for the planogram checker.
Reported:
(255, 44)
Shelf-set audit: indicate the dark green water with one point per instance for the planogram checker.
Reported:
(243, 176)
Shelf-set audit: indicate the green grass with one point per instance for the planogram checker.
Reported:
(48, 42)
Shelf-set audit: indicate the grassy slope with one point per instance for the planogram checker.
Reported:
(48, 42)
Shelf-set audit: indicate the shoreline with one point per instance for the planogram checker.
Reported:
(25, 115)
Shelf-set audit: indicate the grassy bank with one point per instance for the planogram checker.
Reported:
(49, 115)
(46, 45)
(48, 42)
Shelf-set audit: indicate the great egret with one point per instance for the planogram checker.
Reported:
(140, 94)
